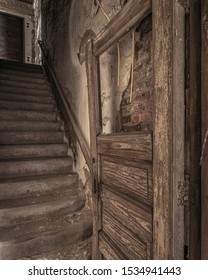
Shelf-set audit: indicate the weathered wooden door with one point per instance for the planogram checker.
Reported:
(138, 178)
(11, 38)
(122, 164)
(126, 196)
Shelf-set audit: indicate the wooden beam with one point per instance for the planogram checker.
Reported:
(92, 66)
(195, 130)
(168, 140)
(204, 108)
(130, 15)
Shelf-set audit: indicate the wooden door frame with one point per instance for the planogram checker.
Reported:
(204, 115)
(26, 34)
(168, 156)
(168, 140)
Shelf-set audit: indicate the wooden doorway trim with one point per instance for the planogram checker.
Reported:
(168, 143)
(168, 140)
(204, 107)
(127, 18)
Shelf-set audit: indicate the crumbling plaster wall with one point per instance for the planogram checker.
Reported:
(64, 25)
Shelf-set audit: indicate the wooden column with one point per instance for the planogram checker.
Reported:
(168, 142)
(204, 108)
(92, 67)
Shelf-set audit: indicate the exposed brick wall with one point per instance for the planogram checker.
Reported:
(137, 115)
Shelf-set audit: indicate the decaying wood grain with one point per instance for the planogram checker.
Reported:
(195, 130)
(131, 181)
(133, 217)
(131, 14)
(129, 243)
(109, 250)
(95, 128)
(204, 107)
(167, 21)
(137, 145)
(178, 111)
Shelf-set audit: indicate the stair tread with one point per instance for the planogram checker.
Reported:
(36, 244)
(28, 167)
(33, 125)
(33, 151)
(33, 186)
(79, 251)
(21, 105)
(12, 77)
(24, 84)
(27, 98)
(31, 137)
(39, 198)
(28, 213)
(16, 232)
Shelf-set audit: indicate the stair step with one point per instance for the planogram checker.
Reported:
(32, 151)
(23, 84)
(27, 115)
(27, 91)
(34, 244)
(26, 98)
(19, 105)
(28, 213)
(32, 125)
(20, 78)
(25, 67)
(39, 198)
(25, 187)
(30, 137)
(17, 73)
(21, 168)
(79, 251)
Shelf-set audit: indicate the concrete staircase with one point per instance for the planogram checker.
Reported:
(42, 210)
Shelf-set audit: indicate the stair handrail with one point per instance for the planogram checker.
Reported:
(76, 128)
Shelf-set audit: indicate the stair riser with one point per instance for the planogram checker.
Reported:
(33, 151)
(19, 215)
(37, 186)
(26, 116)
(26, 98)
(34, 167)
(24, 106)
(33, 125)
(44, 243)
(21, 84)
(35, 92)
(36, 137)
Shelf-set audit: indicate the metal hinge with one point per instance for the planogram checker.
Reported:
(183, 191)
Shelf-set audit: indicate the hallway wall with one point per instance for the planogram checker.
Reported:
(66, 26)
